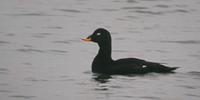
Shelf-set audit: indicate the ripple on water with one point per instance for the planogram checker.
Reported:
(130, 8)
(116, 87)
(188, 86)
(62, 52)
(77, 40)
(27, 46)
(109, 10)
(30, 50)
(66, 78)
(55, 27)
(162, 6)
(69, 10)
(150, 97)
(4, 84)
(183, 41)
(62, 42)
(22, 96)
(27, 63)
(30, 14)
(4, 42)
(145, 10)
(5, 91)
(32, 79)
(195, 55)
(4, 71)
(131, 17)
(10, 34)
(131, 1)
(192, 95)
(195, 75)
(181, 10)
(161, 51)
(42, 35)
(149, 12)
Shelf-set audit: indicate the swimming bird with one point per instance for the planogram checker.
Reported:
(104, 64)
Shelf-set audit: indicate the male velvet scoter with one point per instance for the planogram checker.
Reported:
(103, 62)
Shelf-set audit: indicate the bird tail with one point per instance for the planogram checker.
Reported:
(159, 68)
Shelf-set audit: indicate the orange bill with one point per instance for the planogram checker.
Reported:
(87, 39)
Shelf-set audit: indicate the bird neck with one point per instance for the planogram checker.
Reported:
(105, 51)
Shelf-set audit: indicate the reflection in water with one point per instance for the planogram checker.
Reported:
(102, 82)
(103, 87)
(102, 78)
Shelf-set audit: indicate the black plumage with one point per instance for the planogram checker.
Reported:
(103, 62)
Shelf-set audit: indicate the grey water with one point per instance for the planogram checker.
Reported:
(42, 56)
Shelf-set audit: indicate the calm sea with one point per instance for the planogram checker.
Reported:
(43, 58)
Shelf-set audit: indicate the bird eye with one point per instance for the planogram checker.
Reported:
(98, 34)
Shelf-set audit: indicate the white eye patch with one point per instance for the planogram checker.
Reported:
(98, 34)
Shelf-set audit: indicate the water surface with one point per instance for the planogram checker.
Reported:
(43, 58)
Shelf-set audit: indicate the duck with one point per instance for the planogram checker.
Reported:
(104, 64)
